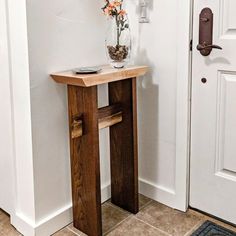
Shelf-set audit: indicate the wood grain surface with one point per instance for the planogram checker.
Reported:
(107, 116)
(107, 75)
(123, 141)
(85, 165)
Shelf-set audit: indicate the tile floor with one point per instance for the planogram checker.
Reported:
(154, 219)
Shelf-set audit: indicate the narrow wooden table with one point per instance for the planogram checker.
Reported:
(85, 120)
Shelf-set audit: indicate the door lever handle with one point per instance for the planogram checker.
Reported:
(205, 45)
(201, 47)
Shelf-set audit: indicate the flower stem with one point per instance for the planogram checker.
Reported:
(118, 31)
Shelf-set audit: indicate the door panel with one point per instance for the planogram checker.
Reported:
(226, 124)
(228, 19)
(213, 128)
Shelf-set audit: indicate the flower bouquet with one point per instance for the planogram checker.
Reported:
(118, 42)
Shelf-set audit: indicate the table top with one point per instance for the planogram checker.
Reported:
(106, 75)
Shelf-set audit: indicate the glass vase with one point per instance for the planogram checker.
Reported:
(118, 42)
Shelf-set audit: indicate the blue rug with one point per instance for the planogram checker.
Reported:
(211, 229)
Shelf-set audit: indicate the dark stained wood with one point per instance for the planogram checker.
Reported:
(85, 167)
(111, 120)
(123, 141)
(109, 110)
(107, 116)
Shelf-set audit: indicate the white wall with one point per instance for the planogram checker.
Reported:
(62, 35)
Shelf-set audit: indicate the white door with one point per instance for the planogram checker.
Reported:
(213, 131)
(6, 140)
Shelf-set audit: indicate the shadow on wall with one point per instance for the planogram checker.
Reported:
(148, 109)
(148, 117)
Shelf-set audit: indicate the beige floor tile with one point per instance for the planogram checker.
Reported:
(154, 219)
(168, 220)
(3, 216)
(135, 227)
(6, 229)
(191, 231)
(65, 232)
(76, 231)
(143, 201)
(4, 219)
(111, 216)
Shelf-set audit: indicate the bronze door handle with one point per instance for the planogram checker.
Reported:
(204, 47)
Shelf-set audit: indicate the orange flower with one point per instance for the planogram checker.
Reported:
(117, 3)
(106, 11)
(122, 13)
(114, 8)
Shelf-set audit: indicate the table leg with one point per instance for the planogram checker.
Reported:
(85, 167)
(123, 141)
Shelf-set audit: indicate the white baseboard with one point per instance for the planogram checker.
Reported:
(53, 222)
(63, 217)
(106, 192)
(47, 226)
(158, 193)
(22, 224)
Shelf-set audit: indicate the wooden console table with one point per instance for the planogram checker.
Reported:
(85, 120)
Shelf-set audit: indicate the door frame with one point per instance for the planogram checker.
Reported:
(183, 103)
(23, 212)
(8, 201)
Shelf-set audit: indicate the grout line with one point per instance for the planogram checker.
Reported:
(194, 227)
(118, 208)
(115, 226)
(146, 204)
(152, 226)
(71, 230)
(123, 210)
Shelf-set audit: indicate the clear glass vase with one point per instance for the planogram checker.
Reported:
(118, 42)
